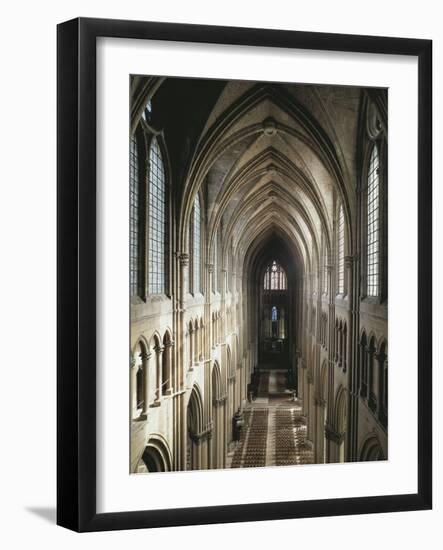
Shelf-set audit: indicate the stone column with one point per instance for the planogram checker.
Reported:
(348, 260)
(373, 380)
(158, 360)
(196, 344)
(363, 372)
(191, 349)
(184, 264)
(212, 461)
(311, 406)
(220, 435)
(368, 369)
(335, 440)
(303, 389)
(201, 353)
(382, 388)
(133, 387)
(198, 451)
(210, 282)
(210, 451)
(183, 440)
(170, 383)
(321, 431)
(145, 365)
(317, 429)
(225, 420)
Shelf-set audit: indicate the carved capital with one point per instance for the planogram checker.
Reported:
(220, 400)
(159, 349)
(195, 438)
(334, 436)
(202, 436)
(210, 268)
(145, 356)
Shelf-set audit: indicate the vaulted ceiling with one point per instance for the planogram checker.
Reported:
(268, 159)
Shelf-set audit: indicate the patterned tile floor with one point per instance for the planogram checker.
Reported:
(274, 433)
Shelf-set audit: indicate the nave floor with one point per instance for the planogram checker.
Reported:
(274, 433)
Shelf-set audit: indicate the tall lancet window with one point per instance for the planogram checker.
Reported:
(373, 217)
(157, 228)
(134, 218)
(341, 251)
(196, 246)
(274, 314)
(275, 277)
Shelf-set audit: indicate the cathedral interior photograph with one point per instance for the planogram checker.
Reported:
(257, 273)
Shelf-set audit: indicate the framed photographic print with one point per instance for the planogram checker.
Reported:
(244, 274)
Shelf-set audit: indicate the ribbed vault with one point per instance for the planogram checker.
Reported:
(266, 163)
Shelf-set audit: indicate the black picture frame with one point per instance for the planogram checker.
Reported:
(76, 265)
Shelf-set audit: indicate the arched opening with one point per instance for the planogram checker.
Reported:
(194, 422)
(371, 450)
(341, 425)
(274, 293)
(139, 388)
(140, 381)
(156, 457)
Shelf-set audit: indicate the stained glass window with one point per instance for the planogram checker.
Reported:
(134, 276)
(275, 277)
(274, 314)
(373, 225)
(157, 221)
